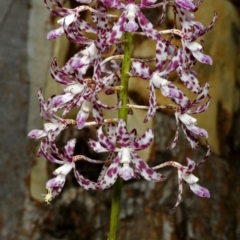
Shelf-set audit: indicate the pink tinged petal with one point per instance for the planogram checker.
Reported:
(122, 134)
(144, 141)
(145, 171)
(105, 141)
(85, 183)
(69, 149)
(200, 191)
(60, 101)
(55, 33)
(186, 4)
(203, 58)
(96, 146)
(56, 184)
(198, 131)
(83, 114)
(131, 26)
(37, 134)
(82, 117)
(110, 176)
(126, 172)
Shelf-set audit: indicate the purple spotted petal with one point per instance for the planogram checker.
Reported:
(59, 75)
(144, 141)
(69, 149)
(59, 101)
(186, 4)
(37, 134)
(130, 26)
(145, 171)
(96, 146)
(202, 94)
(173, 144)
(110, 176)
(85, 183)
(198, 131)
(55, 33)
(203, 58)
(133, 135)
(56, 184)
(122, 134)
(140, 69)
(206, 156)
(105, 141)
(97, 114)
(191, 165)
(200, 191)
(126, 172)
(192, 139)
(105, 167)
(112, 132)
(152, 103)
(180, 191)
(189, 79)
(82, 117)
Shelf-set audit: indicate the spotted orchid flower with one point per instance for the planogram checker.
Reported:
(191, 31)
(189, 123)
(156, 80)
(66, 159)
(127, 164)
(127, 21)
(91, 55)
(53, 126)
(80, 93)
(70, 17)
(185, 174)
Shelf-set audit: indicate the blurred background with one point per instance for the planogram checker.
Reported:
(25, 56)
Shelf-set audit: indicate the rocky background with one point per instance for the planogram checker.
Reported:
(25, 55)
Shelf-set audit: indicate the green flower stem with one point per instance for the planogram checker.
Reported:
(122, 114)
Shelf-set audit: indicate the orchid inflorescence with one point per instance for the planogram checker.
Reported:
(81, 91)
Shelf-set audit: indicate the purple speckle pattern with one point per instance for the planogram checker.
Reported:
(89, 71)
